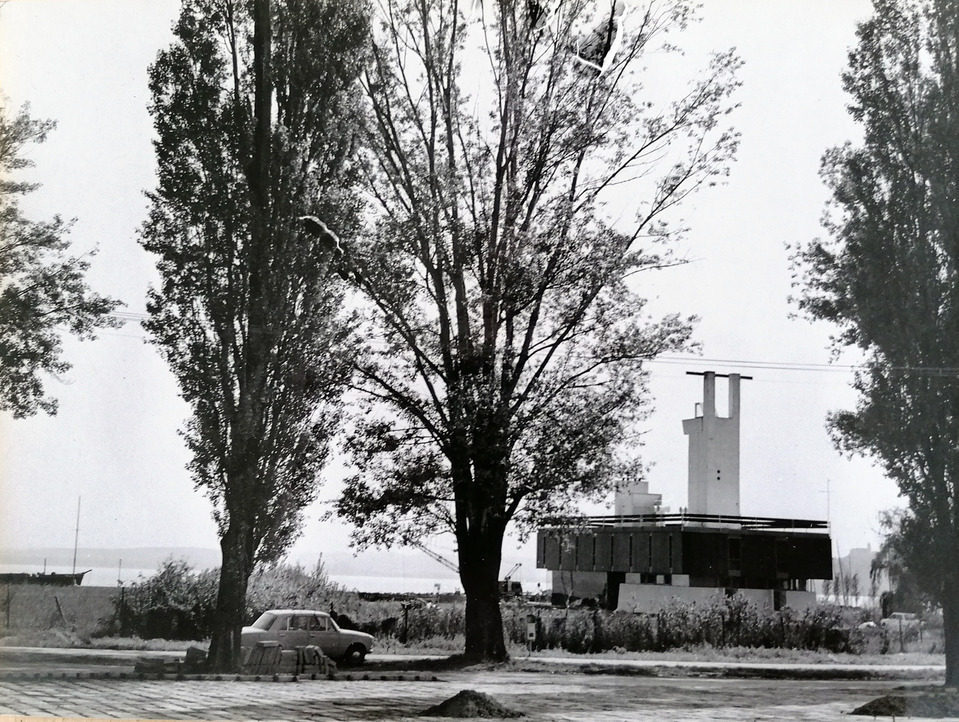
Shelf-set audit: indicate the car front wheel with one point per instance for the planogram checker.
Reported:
(355, 655)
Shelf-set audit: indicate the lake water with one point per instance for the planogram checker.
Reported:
(107, 577)
(96, 577)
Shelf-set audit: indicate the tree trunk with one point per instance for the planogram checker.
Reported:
(237, 543)
(259, 176)
(950, 624)
(479, 571)
(229, 616)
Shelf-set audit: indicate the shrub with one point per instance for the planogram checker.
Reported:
(177, 602)
(721, 622)
(174, 603)
(290, 586)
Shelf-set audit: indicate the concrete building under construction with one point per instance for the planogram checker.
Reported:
(640, 557)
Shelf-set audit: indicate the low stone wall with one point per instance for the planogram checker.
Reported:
(35, 606)
(650, 598)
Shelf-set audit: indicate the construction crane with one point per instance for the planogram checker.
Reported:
(510, 588)
(436, 557)
(507, 587)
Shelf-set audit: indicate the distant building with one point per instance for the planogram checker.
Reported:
(640, 557)
(853, 583)
(857, 563)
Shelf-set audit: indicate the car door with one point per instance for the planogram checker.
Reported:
(328, 637)
(296, 633)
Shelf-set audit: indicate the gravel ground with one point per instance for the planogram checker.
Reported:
(47, 685)
(539, 696)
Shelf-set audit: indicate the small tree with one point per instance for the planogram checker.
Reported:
(43, 293)
(508, 375)
(853, 586)
(888, 277)
(255, 119)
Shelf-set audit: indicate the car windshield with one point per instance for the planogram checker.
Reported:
(264, 621)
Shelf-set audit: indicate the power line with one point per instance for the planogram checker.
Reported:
(811, 367)
(128, 316)
(752, 364)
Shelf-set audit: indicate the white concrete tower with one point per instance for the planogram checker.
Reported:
(714, 451)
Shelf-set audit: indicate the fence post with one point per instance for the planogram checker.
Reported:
(120, 613)
(530, 633)
(406, 622)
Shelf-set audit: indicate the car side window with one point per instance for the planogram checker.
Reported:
(281, 624)
(319, 624)
(300, 622)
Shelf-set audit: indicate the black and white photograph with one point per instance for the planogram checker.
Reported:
(550, 359)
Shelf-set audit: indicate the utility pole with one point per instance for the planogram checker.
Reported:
(828, 509)
(843, 580)
(76, 539)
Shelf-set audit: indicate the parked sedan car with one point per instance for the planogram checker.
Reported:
(301, 627)
(900, 620)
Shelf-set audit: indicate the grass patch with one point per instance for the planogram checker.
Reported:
(149, 645)
(747, 655)
(70, 640)
(44, 638)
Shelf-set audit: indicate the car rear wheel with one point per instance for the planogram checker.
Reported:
(355, 655)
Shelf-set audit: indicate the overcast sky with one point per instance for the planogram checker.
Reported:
(115, 444)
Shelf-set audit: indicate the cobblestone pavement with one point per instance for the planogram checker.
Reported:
(541, 696)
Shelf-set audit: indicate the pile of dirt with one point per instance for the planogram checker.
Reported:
(470, 703)
(931, 705)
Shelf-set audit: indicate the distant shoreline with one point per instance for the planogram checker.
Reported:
(342, 566)
(107, 577)
(396, 572)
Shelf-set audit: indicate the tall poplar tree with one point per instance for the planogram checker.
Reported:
(507, 378)
(888, 276)
(255, 116)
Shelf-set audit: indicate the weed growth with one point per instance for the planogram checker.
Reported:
(177, 603)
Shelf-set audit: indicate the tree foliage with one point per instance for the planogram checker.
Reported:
(896, 560)
(506, 379)
(247, 314)
(888, 276)
(43, 291)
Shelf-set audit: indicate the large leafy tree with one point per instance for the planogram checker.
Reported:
(254, 116)
(43, 291)
(507, 368)
(888, 276)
